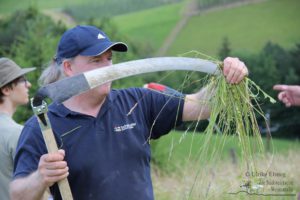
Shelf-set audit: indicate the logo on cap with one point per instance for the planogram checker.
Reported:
(100, 36)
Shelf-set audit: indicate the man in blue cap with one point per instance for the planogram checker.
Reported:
(104, 143)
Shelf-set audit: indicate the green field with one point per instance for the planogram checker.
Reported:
(248, 28)
(150, 26)
(175, 147)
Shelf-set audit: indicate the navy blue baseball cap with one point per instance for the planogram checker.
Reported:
(85, 41)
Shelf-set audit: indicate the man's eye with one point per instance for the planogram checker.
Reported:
(96, 60)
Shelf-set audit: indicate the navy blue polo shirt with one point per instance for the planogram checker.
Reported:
(108, 156)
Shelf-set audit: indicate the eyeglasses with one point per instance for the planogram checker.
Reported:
(22, 79)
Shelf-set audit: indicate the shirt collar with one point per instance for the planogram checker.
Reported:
(62, 111)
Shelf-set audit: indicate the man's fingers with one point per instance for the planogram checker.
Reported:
(287, 103)
(55, 179)
(280, 87)
(61, 151)
(234, 70)
(241, 72)
(53, 161)
(230, 76)
(282, 96)
(50, 180)
(52, 157)
(57, 172)
(56, 165)
(240, 78)
(291, 88)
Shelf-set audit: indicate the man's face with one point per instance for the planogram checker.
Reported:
(18, 94)
(81, 64)
(86, 63)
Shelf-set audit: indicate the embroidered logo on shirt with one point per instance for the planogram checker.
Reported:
(124, 127)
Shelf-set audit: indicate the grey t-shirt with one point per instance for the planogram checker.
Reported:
(9, 135)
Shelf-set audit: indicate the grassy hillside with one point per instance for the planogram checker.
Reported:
(150, 26)
(248, 28)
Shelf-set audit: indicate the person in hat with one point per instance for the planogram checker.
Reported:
(13, 92)
(288, 94)
(103, 134)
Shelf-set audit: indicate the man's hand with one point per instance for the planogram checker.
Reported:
(52, 168)
(234, 70)
(289, 94)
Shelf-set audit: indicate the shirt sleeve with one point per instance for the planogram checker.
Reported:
(29, 149)
(164, 112)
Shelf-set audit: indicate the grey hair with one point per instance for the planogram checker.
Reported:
(53, 72)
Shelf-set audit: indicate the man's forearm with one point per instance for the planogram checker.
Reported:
(28, 188)
(196, 105)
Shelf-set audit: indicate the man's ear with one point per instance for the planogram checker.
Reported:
(67, 68)
(6, 91)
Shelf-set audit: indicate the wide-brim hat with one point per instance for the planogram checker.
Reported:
(9, 71)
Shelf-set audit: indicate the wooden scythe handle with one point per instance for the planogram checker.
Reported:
(51, 145)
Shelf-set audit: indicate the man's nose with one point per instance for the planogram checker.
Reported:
(28, 84)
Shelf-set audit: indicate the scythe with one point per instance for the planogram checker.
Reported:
(68, 87)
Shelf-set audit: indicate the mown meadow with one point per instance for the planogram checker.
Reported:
(181, 173)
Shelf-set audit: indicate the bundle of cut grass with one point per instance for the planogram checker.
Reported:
(234, 108)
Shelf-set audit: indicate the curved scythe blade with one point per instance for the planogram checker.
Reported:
(66, 88)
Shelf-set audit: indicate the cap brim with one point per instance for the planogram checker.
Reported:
(22, 72)
(119, 46)
(100, 48)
